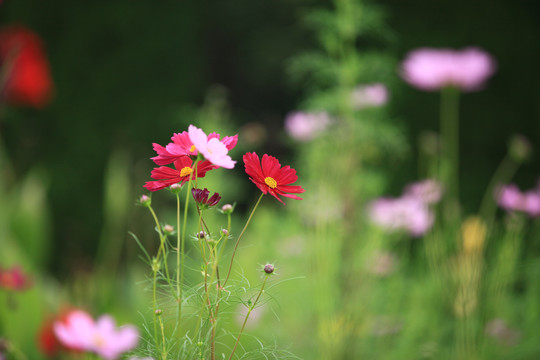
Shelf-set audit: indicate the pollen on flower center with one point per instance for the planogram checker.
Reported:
(192, 148)
(270, 182)
(185, 171)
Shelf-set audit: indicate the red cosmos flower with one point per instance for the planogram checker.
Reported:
(13, 279)
(22, 58)
(181, 145)
(270, 177)
(167, 176)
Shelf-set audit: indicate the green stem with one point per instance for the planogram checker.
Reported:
(239, 237)
(247, 316)
(449, 128)
(179, 283)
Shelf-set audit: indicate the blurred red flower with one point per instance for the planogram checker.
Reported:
(270, 177)
(25, 76)
(48, 343)
(13, 279)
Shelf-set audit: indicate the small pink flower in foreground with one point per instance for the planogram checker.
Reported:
(510, 198)
(13, 279)
(211, 148)
(432, 69)
(167, 176)
(80, 331)
(270, 177)
(369, 95)
(305, 126)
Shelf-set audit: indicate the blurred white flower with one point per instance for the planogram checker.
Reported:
(369, 95)
(305, 126)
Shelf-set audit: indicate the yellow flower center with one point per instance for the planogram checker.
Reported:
(185, 171)
(270, 182)
(192, 148)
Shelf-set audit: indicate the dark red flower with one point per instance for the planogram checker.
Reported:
(13, 279)
(270, 177)
(183, 171)
(201, 197)
(22, 58)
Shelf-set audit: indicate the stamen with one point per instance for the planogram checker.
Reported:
(271, 182)
(192, 148)
(185, 171)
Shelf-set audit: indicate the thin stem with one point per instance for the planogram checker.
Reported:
(239, 237)
(247, 316)
(449, 128)
(179, 252)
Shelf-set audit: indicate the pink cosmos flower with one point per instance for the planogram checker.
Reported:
(510, 198)
(432, 69)
(80, 331)
(211, 148)
(305, 126)
(404, 213)
(369, 95)
(166, 176)
(411, 211)
(181, 146)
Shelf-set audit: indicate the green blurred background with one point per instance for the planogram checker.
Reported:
(129, 73)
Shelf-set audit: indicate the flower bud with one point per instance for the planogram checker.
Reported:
(227, 209)
(269, 268)
(224, 232)
(175, 188)
(168, 229)
(158, 312)
(201, 235)
(145, 200)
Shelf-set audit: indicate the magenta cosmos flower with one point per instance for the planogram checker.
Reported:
(270, 177)
(432, 69)
(80, 331)
(510, 198)
(211, 148)
(183, 171)
(181, 145)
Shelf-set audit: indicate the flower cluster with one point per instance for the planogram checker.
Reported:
(267, 175)
(78, 331)
(510, 198)
(22, 58)
(432, 69)
(181, 152)
(411, 211)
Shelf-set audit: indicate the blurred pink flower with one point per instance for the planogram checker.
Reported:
(369, 95)
(404, 213)
(212, 148)
(410, 212)
(305, 126)
(432, 69)
(80, 331)
(429, 191)
(510, 198)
